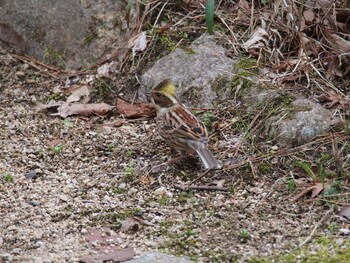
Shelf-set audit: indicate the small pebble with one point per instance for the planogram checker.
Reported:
(344, 231)
(31, 175)
(122, 186)
(132, 191)
(33, 203)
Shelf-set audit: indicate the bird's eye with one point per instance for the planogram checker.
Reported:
(158, 95)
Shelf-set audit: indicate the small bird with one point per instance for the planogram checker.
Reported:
(179, 127)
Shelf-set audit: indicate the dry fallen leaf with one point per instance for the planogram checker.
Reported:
(340, 44)
(330, 98)
(129, 224)
(315, 190)
(133, 223)
(242, 12)
(108, 69)
(146, 180)
(65, 109)
(46, 107)
(136, 110)
(81, 94)
(258, 39)
(307, 18)
(219, 183)
(138, 42)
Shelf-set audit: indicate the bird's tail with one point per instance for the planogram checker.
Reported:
(208, 159)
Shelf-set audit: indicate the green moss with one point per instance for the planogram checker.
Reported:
(218, 255)
(167, 43)
(185, 197)
(264, 167)
(7, 177)
(101, 89)
(54, 57)
(181, 243)
(244, 69)
(281, 102)
(117, 218)
(239, 85)
(163, 201)
(324, 249)
(56, 97)
(116, 190)
(291, 184)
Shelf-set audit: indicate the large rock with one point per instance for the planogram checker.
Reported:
(193, 71)
(300, 122)
(73, 33)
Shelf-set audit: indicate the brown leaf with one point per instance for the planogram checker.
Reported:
(315, 190)
(67, 109)
(80, 93)
(340, 44)
(242, 12)
(136, 110)
(330, 98)
(114, 123)
(133, 223)
(309, 14)
(307, 19)
(128, 224)
(258, 39)
(46, 107)
(333, 67)
(146, 180)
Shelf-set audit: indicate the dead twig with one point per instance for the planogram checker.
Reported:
(34, 63)
(199, 177)
(287, 152)
(324, 218)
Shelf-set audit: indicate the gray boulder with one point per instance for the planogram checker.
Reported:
(73, 33)
(193, 71)
(299, 123)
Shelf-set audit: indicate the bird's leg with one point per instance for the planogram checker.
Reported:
(178, 159)
(182, 157)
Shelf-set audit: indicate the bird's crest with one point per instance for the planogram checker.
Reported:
(166, 87)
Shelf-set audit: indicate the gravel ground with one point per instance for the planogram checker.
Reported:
(60, 178)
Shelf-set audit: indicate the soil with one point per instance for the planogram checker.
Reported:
(61, 178)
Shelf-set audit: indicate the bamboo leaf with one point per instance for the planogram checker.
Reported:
(209, 15)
